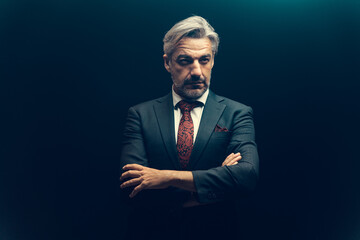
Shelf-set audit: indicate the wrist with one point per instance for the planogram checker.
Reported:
(180, 179)
(176, 178)
(172, 177)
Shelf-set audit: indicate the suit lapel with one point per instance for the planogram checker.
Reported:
(211, 115)
(165, 116)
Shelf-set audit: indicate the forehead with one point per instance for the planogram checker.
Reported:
(193, 47)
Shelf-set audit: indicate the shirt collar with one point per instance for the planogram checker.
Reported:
(177, 98)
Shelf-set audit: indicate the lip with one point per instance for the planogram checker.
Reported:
(195, 86)
(195, 83)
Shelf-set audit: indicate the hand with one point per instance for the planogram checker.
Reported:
(232, 159)
(144, 178)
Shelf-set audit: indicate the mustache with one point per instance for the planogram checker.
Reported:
(194, 80)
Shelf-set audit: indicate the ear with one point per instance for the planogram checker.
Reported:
(166, 62)
(213, 60)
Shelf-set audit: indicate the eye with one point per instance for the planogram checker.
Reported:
(204, 60)
(184, 61)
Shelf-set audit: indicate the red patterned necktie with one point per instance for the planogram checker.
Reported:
(186, 132)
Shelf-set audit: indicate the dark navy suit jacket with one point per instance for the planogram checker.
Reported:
(149, 140)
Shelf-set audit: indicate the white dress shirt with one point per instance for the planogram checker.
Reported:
(196, 113)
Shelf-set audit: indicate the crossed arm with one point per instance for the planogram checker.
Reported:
(149, 178)
(215, 184)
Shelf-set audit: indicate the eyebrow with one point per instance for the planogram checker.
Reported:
(187, 56)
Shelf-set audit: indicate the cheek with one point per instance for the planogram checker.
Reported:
(207, 72)
(177, 77)
(181, 73)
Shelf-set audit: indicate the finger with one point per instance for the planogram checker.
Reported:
(125, 175)
(133, 167)
(132, 182)
(230, 158)
(234, 161)
(130, 174)
(136, 190)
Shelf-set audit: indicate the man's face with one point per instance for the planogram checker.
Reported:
(190, 67)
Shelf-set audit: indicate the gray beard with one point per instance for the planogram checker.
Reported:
(189, 94)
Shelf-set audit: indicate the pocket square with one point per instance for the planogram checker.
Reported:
(220, 129)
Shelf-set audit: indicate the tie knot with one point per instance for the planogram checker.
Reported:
(186, 106)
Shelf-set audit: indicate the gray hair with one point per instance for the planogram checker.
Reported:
(192, 27)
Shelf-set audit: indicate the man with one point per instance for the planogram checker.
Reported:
(188, 156)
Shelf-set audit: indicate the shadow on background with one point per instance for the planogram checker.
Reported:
(69, 71)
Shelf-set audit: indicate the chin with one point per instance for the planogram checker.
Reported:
(193, 93)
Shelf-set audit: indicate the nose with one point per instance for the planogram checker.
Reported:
(196, 69)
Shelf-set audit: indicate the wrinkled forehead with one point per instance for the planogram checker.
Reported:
(193, 47)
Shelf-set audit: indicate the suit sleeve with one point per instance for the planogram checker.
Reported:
(134, 151)
(222, 183)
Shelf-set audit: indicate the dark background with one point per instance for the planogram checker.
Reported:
(69, 70)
